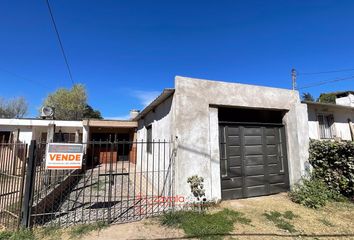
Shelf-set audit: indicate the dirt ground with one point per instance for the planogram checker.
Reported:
(335, 221)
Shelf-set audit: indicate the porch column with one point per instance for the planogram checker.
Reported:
(15, 141)
(77, 136)
(50, 133)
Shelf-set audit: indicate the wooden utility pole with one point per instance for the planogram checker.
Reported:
(293, 78)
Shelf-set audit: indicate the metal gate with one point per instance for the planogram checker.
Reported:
(12, 169)
(106, 189)
(253, 160)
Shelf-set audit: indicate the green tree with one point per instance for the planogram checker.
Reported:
(89, 112)
(327, 98)
(307, 97)
(69, 104)
(13, 108)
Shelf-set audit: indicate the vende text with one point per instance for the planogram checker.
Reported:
(64, 157)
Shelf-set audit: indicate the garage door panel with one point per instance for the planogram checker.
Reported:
(234, 141)
(253, 150)
(254, 170)
(272, 159)
(234, 151)
(233, 131)
(270, 140)
(256, 191)
(255, 181)
(272, 149)
(252, 131)
(277, 188)
(273, 169)
(254, 160)
(270, 131)
(232, 193)
(253, 140)
(235, 172)
(230, 183)
(235, 161)
(276, 178)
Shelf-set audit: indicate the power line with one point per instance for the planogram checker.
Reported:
(324, 72)
(38, 83)
(60, 42)
(327, 81)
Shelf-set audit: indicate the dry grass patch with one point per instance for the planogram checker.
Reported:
(339, 214)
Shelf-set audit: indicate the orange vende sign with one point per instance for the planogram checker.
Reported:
(64, 156)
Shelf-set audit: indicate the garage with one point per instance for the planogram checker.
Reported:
(253, 159)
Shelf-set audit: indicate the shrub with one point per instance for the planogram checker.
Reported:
(333, 162)
(312, 193)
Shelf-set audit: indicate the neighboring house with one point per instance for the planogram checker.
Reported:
(345, 98)
(85, 131)
(332, 121)
(244, 140)
(25, 130)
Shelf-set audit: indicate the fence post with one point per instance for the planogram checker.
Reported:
(28, 190)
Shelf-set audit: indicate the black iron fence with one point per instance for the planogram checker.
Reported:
(118, 182)
(12, 169)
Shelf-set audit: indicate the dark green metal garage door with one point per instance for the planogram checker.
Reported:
(253, 160)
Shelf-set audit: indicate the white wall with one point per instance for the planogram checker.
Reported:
(31, 129)
(341, 125)
(346, 101)
(155, 165)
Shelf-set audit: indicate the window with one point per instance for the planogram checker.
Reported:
(66, 137)
(5, 136)
(149, 139)
(326, 126)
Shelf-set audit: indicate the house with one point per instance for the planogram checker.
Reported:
(86, 131)
(109, 131)
(244, 140)
(41, 130)
(332, 121)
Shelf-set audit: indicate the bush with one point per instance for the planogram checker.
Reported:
(312, 193)
(333, 162)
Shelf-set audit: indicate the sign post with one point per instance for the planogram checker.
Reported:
(64, 156)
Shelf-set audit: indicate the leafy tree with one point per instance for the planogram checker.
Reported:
(13, 108)
(89, 112)
(327, 98)
(307, 97)
(69, 104)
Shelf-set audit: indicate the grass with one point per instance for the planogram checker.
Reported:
(204, 225)
(326, 222)
(280, 220)
(24, 234)
(52, 232)
(5, 235)
(81, 230)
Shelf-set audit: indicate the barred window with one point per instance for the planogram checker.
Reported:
(326, 126)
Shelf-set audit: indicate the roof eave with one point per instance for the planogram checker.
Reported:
(166, 93)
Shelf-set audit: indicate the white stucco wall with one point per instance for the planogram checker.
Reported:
(155, 165)
(341, 125)
(31, 129)
(346, 101)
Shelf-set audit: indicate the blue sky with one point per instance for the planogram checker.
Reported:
(126, 52)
